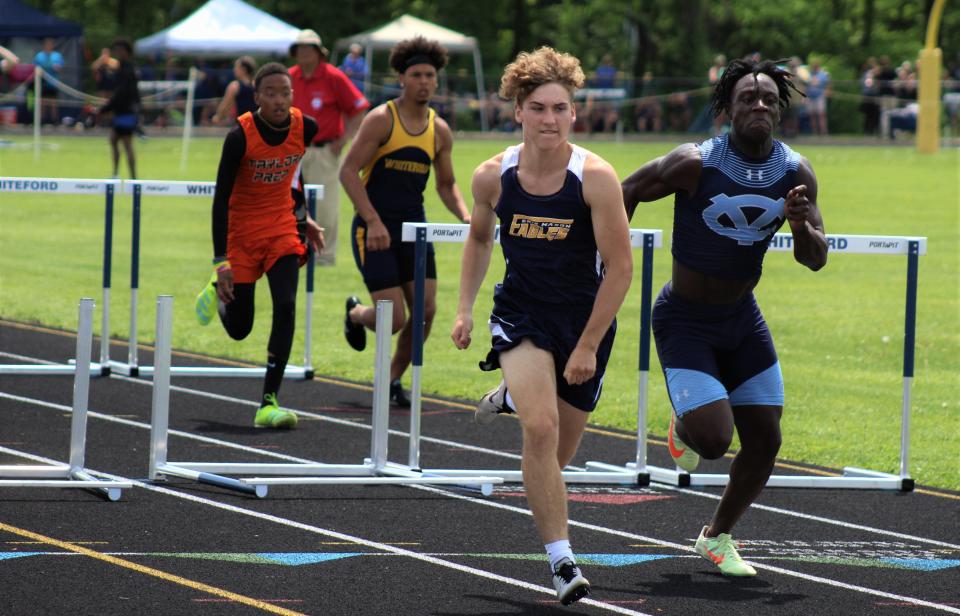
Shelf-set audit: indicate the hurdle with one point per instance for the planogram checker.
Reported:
(373, 470)
(852, 477)
(70, 474)
(132, 367)
(421, 234)
(108, 189)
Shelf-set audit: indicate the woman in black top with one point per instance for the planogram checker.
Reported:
(239, 93)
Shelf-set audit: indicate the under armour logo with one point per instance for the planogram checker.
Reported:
(754, 174)
(684, 394)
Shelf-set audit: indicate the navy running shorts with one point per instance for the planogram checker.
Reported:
(714, 352)
(552, 329)
(385, 269)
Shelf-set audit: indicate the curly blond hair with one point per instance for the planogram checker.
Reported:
(531, 70)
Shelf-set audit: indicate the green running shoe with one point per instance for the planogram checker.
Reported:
(206, 304)
(682, 455)
(722, 551)
(270, 415)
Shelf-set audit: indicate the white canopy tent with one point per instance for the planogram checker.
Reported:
(384, 37)
(223, 29)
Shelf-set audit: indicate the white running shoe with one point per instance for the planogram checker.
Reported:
(491, 404)
(569, 581)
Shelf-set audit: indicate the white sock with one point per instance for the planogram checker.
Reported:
(557, 551)
(509, 402)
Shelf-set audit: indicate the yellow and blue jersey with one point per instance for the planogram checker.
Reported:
(397, 175)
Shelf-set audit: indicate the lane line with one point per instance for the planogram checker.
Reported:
(486, 574)
(685, 548)
(290, 458)
(163, 575)
(383, 547)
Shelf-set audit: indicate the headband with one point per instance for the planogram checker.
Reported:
(419, 59)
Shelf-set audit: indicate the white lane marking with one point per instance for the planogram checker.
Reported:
(493, 452)
(585, 525)
(479, 572)
(383, 547)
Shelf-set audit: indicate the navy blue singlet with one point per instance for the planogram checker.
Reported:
(547, 240)
(724, 229)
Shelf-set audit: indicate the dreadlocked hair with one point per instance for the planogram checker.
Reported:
(739, 68)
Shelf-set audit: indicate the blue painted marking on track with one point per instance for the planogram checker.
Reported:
(9, 555)
(619, 560)
(922, 564)
(294, 559)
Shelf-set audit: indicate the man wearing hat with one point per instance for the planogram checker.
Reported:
(322, 91)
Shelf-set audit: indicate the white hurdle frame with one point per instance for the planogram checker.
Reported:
(74, 186)
(424, 233)
(852, 477)
(71, 474)
(132, 367)
(373, 470)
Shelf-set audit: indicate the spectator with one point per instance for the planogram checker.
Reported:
(104, 69)
(818, 89)
(51, 62)
(238, 98)
(125, 105)
(355, 66)
(649, 115)
(606, 74)
(209, 89)
(602, 107)
(951, 97)
(790, 117)
(716, 69)
(678, 112)
(902, 119)
(8, 60)
(870, 91)
(885, 78)
(322, 90)
(906, 84)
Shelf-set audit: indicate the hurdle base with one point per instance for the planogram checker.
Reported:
(60, 476)
(69, 368)
(608, 477)
(851, 479)
(312, 474)
(291, 372)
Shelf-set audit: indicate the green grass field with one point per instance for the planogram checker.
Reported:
(839, 332)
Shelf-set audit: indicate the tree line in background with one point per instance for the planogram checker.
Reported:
(667, 38)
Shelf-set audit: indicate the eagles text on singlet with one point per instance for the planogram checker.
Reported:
(539, 227)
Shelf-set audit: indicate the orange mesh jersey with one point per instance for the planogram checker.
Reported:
(261, 203)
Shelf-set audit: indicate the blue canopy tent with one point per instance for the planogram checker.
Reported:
(22, 30)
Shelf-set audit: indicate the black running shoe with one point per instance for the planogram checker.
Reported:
(569, 581)
(355, 333)
(398, 397)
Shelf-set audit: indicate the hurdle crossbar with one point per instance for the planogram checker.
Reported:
(373, 470)
(852, 477)
(422, 234)
(70, 474)
(74, 186)
(138, 189)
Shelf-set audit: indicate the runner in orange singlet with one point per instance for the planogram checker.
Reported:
(255, 229)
